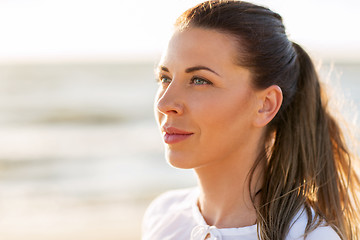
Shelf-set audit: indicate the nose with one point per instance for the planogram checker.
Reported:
(169, 101)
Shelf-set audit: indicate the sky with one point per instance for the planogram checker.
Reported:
(95, 30)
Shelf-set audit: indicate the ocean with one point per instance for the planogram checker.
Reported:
(80, 153)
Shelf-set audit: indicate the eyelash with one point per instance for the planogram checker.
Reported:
(192, 81)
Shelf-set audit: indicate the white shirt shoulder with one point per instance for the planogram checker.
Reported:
(174, 214)
(170, 215)
(297, 229)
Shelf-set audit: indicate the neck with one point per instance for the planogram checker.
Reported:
(225, 199)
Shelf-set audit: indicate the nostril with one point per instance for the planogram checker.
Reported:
(172, 111)
(169, 107)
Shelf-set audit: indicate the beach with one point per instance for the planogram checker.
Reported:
(81, 156)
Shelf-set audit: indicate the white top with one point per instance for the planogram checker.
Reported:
(175, 215)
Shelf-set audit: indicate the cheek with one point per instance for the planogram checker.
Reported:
(227, 121)
(227, 110)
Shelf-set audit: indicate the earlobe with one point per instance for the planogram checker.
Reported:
(270, 100)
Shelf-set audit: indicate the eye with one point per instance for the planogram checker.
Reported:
(200, 81)
(164, 79)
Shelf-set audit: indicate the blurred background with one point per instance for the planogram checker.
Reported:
(80, 153)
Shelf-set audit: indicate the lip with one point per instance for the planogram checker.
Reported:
(174, 135)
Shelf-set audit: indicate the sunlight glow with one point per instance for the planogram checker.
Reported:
(130, 30)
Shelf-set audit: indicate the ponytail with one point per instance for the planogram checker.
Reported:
(310, 155)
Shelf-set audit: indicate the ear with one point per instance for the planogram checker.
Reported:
(269, 100)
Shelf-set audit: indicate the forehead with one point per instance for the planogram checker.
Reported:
(200, 46)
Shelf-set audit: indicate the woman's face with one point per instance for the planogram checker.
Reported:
(205, 104)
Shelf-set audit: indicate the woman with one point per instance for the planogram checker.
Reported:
(242, 105)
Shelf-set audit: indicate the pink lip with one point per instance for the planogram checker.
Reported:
(173, 135)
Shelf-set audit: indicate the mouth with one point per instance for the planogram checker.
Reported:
(173, 135)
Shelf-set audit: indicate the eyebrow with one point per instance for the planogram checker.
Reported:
(165, 69)
(191, 69)
(197, 68)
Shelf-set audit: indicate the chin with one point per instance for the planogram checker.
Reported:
(181, 162)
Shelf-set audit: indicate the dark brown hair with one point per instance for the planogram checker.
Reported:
(308, 165)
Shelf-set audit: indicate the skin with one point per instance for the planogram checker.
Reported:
(203, 92)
